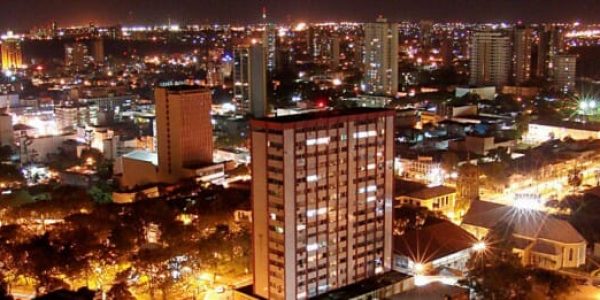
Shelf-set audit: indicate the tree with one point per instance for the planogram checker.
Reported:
(556, 285)
(4, 295)
(119, 291)
(449, 161)
(5, 153)
(65, 294)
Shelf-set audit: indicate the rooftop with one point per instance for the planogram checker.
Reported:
(357, 111)
(434, 290)
(433, 241)
(184, 88)
(143, 156)
(363, 287)
(591, 126)
(431, 192)
(526, 223)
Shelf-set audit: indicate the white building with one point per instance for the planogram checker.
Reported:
(490, 58)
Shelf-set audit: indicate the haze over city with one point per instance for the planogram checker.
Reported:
(324, 150)
(27, 13)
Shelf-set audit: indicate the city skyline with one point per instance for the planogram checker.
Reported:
(29, 13)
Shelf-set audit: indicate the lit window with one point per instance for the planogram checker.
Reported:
(365, 134)
(319, 141)
(312, 178)
(312, 247)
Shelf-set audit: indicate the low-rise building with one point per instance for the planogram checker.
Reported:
(438, 198)
(439, 245)
(540, 239)
(540, 131)
(484, 92)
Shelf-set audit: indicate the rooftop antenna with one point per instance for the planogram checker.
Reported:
(264, 13)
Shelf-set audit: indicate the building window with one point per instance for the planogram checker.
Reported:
(571, 254)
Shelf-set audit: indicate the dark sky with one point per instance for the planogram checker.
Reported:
(20, 14)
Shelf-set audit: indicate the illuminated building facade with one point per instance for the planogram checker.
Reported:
(563, 74)
(551, 43)
(98, 50)
(270, 44)
(380, 58)
(250, 79)
(6, 130)
(75, 56)
(184, 131)
(322, 200)
(521, 54)
(490, 58)
(12, 54)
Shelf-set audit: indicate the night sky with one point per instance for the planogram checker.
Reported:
(21, 14)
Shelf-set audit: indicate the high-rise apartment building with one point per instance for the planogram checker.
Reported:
(521, 55)
(250, 79)
(98, 50)
(490, 58)
(12, 54)
(550, 44)
(563, 73)
(322, 200)
(380, 58)
(270, 43)
(184, 131)
(76, 56)
(335, 51)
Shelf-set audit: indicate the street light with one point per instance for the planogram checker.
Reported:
(419, 268)
(479, 246)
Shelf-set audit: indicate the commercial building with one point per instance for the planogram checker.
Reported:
(68, 118)
(380, 58)
(563, 75)
(490, 58)
(184, 131)
(322, 200)
(250, 79)
(11, 51)
(184, 138)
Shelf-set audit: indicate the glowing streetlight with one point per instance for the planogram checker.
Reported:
(419, 268)
(479, 246)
